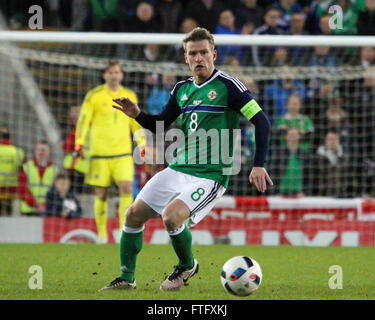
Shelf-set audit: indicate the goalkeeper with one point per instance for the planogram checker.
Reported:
(110, 145)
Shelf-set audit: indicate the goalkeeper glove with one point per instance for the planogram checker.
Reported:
(78, 152)
(142, 152)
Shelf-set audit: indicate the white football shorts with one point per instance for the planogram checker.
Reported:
(199, 194)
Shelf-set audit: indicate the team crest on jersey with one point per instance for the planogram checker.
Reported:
(212, 95)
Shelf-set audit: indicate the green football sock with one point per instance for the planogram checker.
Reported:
(130, 246)
(182, 245)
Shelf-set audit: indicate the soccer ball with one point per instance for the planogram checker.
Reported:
(241, 276)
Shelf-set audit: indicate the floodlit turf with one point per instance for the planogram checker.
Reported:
(78, 271)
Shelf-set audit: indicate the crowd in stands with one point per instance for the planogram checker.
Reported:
(218, 16)
(256, 17)
(41, 189)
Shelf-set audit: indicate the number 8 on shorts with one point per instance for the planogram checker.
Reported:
(196, 195)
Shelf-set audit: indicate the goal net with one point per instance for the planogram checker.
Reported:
(319, 96)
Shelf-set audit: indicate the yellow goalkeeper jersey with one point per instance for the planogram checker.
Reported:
(110, 133)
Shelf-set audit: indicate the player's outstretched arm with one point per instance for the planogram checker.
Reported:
(258, 175)
(169, 113)
(127, 106)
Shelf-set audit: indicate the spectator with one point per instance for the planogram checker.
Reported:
(367, 57)
(187, 25)
(366, 18)
(298, 56)
(294, 118)
(145, 19)
(319, 95)
(297, 24)
(289, 165)
(322, 7)
(169, 12)
(280, 57)
(104, 16)
(331, 168)
(11, 159)
(287, 8)
(322, 57)
(234, 65)
(270, 27)
(350, 13)
(159, 95)
(249, 12)
(80, 15)
(61, 200)
(277, 92)
(205, 12)
(80, 167)
(36, 177)
(336, 120)
(324, 27)
(128, 12)
(150, 52)
(250, 84)
(313, 17)
(227, 26)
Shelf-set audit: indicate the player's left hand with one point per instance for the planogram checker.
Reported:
(259, 177)
(142, 151)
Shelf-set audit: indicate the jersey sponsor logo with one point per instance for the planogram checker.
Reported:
(212, 95)
(184, 97)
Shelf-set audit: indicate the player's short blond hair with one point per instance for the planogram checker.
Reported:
(111, 63)
(199, 34)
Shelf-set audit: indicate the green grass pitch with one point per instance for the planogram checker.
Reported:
(78, 271)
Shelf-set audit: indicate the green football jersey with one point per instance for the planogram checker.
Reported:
(209, 121)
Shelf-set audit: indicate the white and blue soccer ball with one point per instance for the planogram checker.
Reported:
(241, 276)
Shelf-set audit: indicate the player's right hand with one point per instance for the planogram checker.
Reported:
(128, 107)
(78, 152)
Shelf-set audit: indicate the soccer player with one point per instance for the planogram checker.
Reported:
(185, 192)
(110, 144)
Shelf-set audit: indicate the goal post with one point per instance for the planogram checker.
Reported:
(330, 80)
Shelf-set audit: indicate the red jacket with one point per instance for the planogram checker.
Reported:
(69, 142)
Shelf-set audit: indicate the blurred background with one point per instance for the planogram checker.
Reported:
(320, 99)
